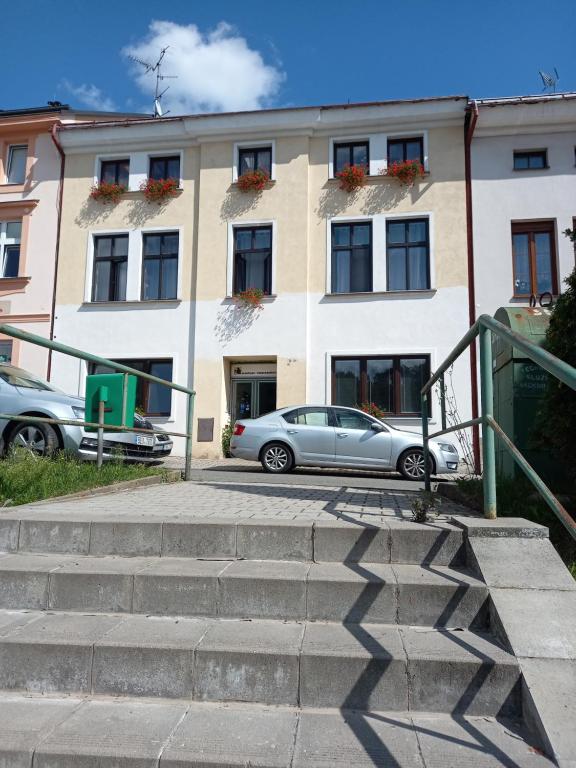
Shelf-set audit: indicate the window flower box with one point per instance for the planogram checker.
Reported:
(406, 172)
(253, 181)
(352, 177)
(251, 298)
(159, 190)
(105, 192)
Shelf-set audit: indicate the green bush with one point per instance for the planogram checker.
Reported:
(225, 439)
(25, 478)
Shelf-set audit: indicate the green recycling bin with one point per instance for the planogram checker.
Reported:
(112, 382)
(519, 387)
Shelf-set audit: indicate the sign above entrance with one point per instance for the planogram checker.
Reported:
(252, 370)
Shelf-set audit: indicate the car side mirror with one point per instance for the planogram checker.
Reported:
(377, 428)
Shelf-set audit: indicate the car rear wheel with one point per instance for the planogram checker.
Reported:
(411, 464)
(276, 458)
(38, 439)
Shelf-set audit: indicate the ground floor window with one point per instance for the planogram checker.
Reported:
(151, 399)
(393, 383)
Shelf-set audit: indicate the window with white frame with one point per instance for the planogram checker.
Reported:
(16, 164)
(253, 259)
(255, 159)
(408, 254)
(351, 257)
(110, 268)
(10, 237)
(160, 265)
(115, 172)
(351, 153)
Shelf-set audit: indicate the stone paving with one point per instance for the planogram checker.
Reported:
(240, 500)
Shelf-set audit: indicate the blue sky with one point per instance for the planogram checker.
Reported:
(258, 53)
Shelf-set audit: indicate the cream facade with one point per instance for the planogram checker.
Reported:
(338, 323)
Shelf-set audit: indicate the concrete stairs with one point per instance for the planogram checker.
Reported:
(197, 644)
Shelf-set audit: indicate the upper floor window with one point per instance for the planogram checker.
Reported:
(252, 259)
(16, 165)
(115, 172)
(254, 159)
(393, 383)
(534, 258)
(10, 235)
(533, 160)
(400, 150)
(352, 257)
(160, 267)
(408, 254)
(351, 153)
(110, 268)
(165, 167)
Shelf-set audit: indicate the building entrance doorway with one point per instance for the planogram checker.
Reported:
(253, 390)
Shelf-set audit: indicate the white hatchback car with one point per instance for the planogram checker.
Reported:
(334, 436)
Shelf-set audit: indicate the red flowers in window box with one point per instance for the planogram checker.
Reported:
(372, 409)
(251, 297)
(105, 192)
(406, 172)
(352, 177)
(253, 181)
(159, 190)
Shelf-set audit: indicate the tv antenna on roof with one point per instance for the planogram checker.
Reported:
(157, 67)
(549, 80)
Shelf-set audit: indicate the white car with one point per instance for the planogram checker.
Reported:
(334, 436)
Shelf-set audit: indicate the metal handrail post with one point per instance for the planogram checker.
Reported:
(189, 428)
(443, 401)
(487, 405)
(100, 446)
(425, 449)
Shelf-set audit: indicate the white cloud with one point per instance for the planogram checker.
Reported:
(90, 96)
(217, 71)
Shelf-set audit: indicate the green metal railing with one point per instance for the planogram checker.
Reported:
(484, 327)
(55, 346)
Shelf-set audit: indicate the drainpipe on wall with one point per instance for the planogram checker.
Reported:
(54, 135)
(469, 126)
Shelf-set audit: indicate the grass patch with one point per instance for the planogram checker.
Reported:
(25, 478)
(517, 497)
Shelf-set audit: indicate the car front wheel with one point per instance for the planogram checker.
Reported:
(411, 464)
(38, 439)
(276, 458)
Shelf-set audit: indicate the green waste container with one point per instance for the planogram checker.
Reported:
(519, 387)
(113, 405)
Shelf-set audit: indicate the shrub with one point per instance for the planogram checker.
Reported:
(253, 181)
(159, 190)
(225, 439)
(107, 193)
(352, 177)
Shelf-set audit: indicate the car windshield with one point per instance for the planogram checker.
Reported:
(18, 377)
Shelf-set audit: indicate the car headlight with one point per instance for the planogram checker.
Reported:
(79, 412)
(447, 447)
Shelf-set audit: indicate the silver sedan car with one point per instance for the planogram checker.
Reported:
(333, 436)
(23, 393)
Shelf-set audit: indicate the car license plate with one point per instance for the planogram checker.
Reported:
(145, 440)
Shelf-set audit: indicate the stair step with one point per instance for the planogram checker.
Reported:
(390, 593)
(84, 732)
(356, 666)
(383, 540)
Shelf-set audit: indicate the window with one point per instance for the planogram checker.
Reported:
(255, 159)
(408, 255)
(532, 160)
(160, 267)
(352, 257)
(115, 172)
(534, 259)
(392, 383)
(350, 420)
(165, 167)
(10, 235)
(16, 167)
(311, 417)
(351, 153)
(6, 352)
(110, 268)
(400, 150)
(153, 399)
(252, 259)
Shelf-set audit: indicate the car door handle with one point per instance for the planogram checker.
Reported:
(292, 431)
(342, 434)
